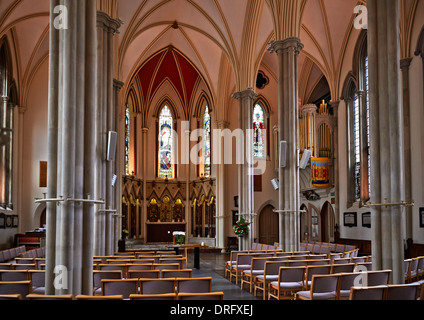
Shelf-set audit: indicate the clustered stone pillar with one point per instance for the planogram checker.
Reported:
(288, 114)
(386, 138)
(71, 149)
(104, 221)
(245, 161)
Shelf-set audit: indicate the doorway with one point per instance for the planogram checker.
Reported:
(268, 226)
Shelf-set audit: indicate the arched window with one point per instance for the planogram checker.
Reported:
(259, 136)
(166, 149)
(207, 142)
(356, 96)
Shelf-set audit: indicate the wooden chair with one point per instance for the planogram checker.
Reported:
(23, 288)
(157, 286)
(314, 270)
(145, 274)
(243, 262)
(346, 282)
(99, 275)
(38, 280)
(182, 273)
(257, 268)
(405, 292)
(90, 298)
(290, 280)
(271, 273)
(34, 296)
(11, 297)
(114, 267)
(163, 296)
(323, 287)
(124, 287)
(14, 275)
(201, 296)
(194, 285)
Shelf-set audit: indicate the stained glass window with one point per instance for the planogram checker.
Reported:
(207, 141)
(166, 123)
(259, 132)
(356, 130)
(127, 141)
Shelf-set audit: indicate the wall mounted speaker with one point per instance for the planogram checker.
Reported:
(275, 183)
(283, 154)
(111, 145)
(305, 159)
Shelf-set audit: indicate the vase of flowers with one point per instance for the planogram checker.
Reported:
(242, 227)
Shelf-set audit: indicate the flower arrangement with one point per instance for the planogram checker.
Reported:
(242, 227)
(125, 234)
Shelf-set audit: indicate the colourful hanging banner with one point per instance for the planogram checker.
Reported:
(320, 172)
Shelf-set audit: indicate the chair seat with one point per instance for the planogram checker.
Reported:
(242, 267)
(287, 285)
(38, 290)
(345, 293)
(268, 278)
(253, 272)
(317, 296)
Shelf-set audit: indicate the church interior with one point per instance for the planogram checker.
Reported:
(212, 130)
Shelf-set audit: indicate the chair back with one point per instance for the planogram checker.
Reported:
(378, 278)
(163, 266)
(244, 259)
(138, 267)
(38, 278)
(323, 262)
(124, 287)
(368, 293)
(155, 297)
(194, 285)
(14, 275)
(272, 268)
(145, 274)
(316, 270)
(25, 267)
(99, 275)
(201, 296)
(23, 288)
(259, 263)
(85, 297)
(408, 292)
(342, 268)
(183, 273)
(49, 297)
(292, 274)
(324, 283)
(157, 286)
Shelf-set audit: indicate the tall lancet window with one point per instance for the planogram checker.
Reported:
(207, 143)
(166, 154)
(259, 137)
(127, 140)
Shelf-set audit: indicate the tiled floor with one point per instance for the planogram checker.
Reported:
(213, 265)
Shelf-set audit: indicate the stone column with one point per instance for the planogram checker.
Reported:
(288, 114)
(119, 166)
(245, 168)
(405, 64)
(72, 80)
(145, 200)
(106, 28)
(335, 106)
(386, 138)
(221, 214)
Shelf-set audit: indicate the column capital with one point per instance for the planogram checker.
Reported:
(405, 64)
(222, 124)
(107, 23)
(118, 84)
(246, 94)
(309, 108)
(286, 44)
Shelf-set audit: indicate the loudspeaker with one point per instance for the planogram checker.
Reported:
(305, 159)
(275, 183)
(111, 145)
(283, 154)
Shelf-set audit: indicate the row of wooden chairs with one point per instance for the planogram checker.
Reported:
(10, 254)
(125, 287)
(318, 283)
(165, 296)
(326, 247)
(410, 292)
(414, 269)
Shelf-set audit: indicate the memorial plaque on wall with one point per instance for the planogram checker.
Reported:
(43, 174)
